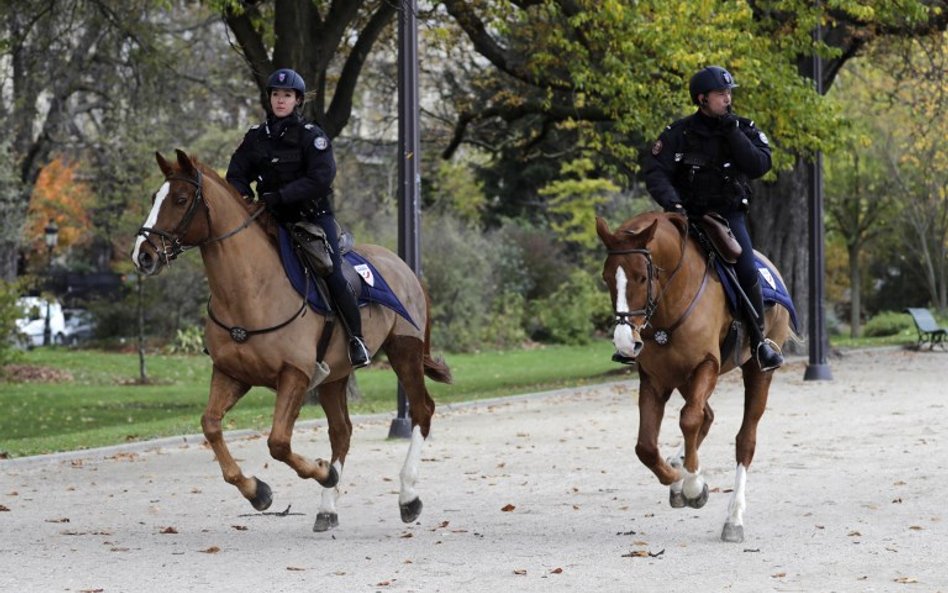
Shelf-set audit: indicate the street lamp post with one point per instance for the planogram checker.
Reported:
(51, 236)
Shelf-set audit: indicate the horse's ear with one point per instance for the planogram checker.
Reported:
(605, 235)
(649, 232)
(187, 167)
(163, 164)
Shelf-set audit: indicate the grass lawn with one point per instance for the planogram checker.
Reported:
(102, 404)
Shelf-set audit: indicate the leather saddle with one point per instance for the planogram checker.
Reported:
(718, 233)
(313, 249)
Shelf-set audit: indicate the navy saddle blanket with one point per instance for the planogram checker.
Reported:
(374, 287)
(770, 285)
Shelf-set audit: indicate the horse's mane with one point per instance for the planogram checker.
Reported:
(265, 219)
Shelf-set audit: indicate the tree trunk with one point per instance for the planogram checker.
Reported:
(855, 291)
(779, 229)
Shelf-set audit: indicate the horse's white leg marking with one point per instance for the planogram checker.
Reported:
(693, 483)
(152, 218)
(622, 337)
(409, 474)
(735, 508)
(327, 503)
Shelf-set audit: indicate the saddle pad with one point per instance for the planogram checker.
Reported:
(770, 285)
(374, 287)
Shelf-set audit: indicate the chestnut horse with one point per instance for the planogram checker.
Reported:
(194, 207)
(672, 319)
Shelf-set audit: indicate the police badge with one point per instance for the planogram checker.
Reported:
(321, 143)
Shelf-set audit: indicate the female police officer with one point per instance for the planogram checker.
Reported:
(702, 163)
(292, 163)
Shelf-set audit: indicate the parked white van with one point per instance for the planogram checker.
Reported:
(32, 323)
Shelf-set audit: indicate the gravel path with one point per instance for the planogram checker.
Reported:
(531, 494)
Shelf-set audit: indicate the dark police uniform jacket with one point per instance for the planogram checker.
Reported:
(706, 166)
(289, 156)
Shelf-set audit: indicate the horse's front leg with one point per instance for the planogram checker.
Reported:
(695, 421)
(291, 392)
(756, 390)
(652, 402)
(332, 397)
(225, 392)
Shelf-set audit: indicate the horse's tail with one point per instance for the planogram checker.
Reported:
(435, 368)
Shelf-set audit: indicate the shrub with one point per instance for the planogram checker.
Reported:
(571, 314)
(886, 323)
(9, 313)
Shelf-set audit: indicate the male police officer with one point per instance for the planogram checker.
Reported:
(293, 164)
(703, 163)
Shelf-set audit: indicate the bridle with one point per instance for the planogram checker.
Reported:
(171, 246)
(652, 303)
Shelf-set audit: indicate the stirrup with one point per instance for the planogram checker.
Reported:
(771, 360)
(358, 353)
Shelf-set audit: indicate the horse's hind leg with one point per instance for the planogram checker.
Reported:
(406, 355)
(756, 390)
(332, 397)
(225, 392)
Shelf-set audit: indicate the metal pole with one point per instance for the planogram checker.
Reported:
(409, 170)
(817, 369)
(47, 332)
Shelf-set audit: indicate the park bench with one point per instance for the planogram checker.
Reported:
(928, 329)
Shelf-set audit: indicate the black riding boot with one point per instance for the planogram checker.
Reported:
(765, 352)
(348, 309)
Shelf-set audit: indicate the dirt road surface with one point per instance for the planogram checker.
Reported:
(532, 494)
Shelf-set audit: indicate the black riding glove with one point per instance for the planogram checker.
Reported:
(271, 198)
(729, 122)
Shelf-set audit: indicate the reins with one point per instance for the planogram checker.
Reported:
(173, 248)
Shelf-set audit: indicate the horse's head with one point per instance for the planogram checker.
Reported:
(172, 224)
(630, 273)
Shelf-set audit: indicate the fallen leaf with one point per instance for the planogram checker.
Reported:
(854, 534)
(61, 520)
(211, 550)
(556, 571)
(778, 575)
(3, 509)
(520, 571)
(169, 530)
(508, 508)
(118, 549)
(916, 527)
(240, 527)
(295, 568)
(383, 583)
(91, 590)
(444, 524)
(906, 580)
(407, 535)
(636, 554)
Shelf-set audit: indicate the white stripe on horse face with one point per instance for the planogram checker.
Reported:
(152, 218)
(622, 336)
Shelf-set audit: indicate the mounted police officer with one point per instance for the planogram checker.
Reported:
(703, 163)
(292, 163)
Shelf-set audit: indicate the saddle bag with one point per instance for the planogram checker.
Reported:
(313, 246)
(718, 231)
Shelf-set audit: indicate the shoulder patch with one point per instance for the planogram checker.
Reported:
(309, 126)
(320, 143)
(763, 137)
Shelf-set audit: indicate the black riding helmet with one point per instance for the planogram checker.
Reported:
(284, 78)
(709, 79)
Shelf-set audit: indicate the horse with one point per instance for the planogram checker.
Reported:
(196, 208)
(673, 320)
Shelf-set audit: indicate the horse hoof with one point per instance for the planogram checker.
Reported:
(331, 480)
(700, 500)
(676, 499)
(410, 511)
(325, 522)
(732, 533)
(264, 496)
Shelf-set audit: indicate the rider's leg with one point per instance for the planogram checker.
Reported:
(343, 295)
(766, 353)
